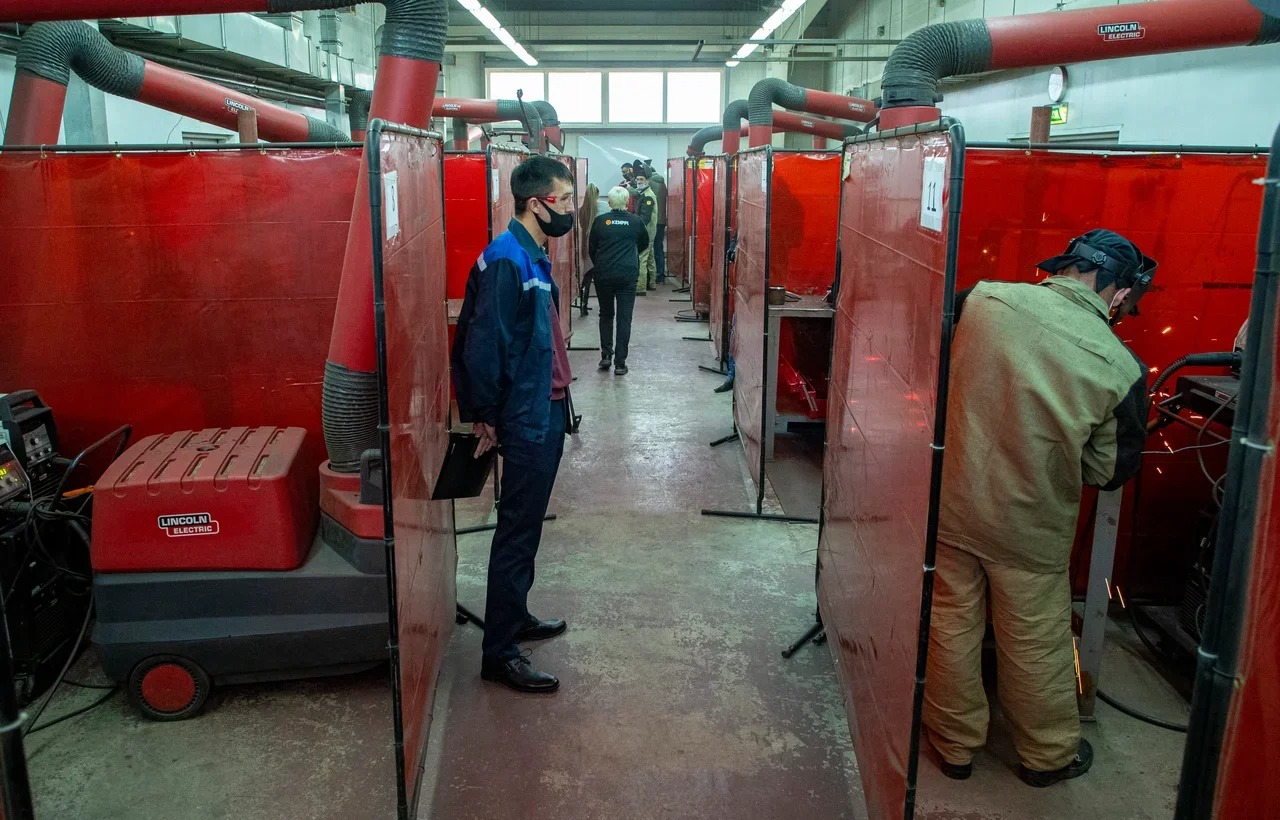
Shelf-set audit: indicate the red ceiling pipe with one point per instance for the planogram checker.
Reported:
(731, 127)
(49, 52)
(911, 75)
(550, 123)
(784, 122)
(772, 90)
(479, 111)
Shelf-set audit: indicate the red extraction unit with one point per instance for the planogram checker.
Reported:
(230, 499)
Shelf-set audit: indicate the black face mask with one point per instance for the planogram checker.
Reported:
(559, 224)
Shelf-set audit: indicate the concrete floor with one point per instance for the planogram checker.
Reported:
(674, 703)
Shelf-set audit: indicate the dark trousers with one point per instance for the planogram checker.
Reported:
(660, 252)
(528, 474)
(622, 293)
(585, 293)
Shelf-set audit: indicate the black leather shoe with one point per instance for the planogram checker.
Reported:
(724, 388)
(620, 370)
(956, 771)
(1078, 766)
(541, 630)
(605, 364)
(519, 674)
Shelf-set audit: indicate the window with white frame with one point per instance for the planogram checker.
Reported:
(689, 94)
(630, 97)
(576, 95)
(503, 85)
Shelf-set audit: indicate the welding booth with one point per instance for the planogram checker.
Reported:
(478, 207)
(922, 215)
(677, 207)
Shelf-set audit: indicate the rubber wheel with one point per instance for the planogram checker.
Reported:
(168, 687)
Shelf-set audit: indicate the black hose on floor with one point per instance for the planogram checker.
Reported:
(1142, 716)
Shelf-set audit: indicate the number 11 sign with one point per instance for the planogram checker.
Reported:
(935, 177)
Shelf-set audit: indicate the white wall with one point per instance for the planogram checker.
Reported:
(1225, 96)
(7, 62)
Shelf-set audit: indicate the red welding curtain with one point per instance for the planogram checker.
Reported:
(173, 290)
(563, 251)
(1247, 783)
(676, 240)
(879, 431)
(750, 354)
(803, 217)
(417, 378)
(584, 256)
(721, 272)
(466, 202)
(1197, 215)
(700, 218)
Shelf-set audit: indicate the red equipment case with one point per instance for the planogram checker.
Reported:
(239, 498)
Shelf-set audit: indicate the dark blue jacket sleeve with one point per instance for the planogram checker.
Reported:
(485, 331)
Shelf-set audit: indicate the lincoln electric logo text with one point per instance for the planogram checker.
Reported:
(1112, 32)
(177, 526)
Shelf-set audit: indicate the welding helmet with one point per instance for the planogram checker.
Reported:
(1117, 261)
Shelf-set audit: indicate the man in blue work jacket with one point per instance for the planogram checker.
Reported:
(511, 373)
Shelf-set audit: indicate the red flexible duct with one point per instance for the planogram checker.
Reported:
(481, 111)
(772, 90)
(783, 122)
(911, 75)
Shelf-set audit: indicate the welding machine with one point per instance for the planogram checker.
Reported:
(212, 565)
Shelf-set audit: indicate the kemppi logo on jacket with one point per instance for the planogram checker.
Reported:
(1117, 32)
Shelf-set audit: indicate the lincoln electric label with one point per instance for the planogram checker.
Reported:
(177, 526)
(1114, 32)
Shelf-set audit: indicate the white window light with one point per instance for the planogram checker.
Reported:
(486, 19)
(732, 63)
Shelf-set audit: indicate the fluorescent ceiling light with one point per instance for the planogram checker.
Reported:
(789, 7)
(486, 19)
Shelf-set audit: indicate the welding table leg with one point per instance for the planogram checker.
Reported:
(1097, 598)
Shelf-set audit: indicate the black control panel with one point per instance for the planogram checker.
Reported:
(1210, 396)
(28, 431)
(13, 479)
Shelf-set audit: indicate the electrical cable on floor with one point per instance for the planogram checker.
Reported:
(680, 314)
(79, 684)
(1142, 716)
(77, 712)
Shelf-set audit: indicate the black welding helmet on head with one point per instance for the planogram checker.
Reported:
(1118, 262)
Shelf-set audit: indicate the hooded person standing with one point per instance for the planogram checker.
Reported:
(647, 211)
(1044, 397)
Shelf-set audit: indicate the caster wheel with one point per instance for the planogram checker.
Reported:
(168, 687)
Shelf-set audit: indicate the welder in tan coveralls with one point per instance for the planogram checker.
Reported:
(1044, 398)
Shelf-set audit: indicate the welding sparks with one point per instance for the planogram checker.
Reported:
(1152, 369)
(1120, 595)
(1108, 580)
(1158, 470)
(1167, 330)
(1075, 650)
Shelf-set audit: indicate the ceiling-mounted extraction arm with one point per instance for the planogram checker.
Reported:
(773, 91)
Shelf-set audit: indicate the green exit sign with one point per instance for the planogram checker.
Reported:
(1058, 115)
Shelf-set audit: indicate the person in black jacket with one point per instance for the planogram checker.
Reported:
(617, 239)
